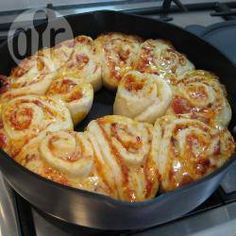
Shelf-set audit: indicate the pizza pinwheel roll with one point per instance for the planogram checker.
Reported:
(117, 53)
(161, 58)
(58, 55)
(200, 94)
(84, 63)
(30, 67)
(188, 149)
(44, 61)
(24, 117)
(21, 86)
(143, 97)
(77, 95)
(124, 146)
(65, 157)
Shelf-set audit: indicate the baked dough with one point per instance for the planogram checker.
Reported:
(143, 97)
(23, 85)
(77, 95)
(117, 53)
(199, 94)
(44, 61)
(66, 157)
(84, 63)
(161, 58)
(188, 149)
(24, 117)
(75, 57)
(124, 146)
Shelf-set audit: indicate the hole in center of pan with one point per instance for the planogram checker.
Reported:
(102, 105)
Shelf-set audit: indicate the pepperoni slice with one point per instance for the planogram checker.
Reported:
(180, 105)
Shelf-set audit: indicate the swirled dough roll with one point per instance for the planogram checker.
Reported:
(30, 67)
(117, 53)
(77, 95)
(161, 58)
(65, 157)
(58, 55)
(84, 62)
(200, 94)
(143, 97)
(23, 85)
(34, 74)
(188, 149)
(44, 61)
(124, 146)
(24, 117)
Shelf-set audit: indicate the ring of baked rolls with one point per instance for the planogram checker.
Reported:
(169, 126)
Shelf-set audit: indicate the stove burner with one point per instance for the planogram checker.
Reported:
(224, 11)
(166, 9)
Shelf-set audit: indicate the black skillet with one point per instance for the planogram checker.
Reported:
(89, 209)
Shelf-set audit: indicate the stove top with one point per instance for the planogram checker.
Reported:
(216, 216)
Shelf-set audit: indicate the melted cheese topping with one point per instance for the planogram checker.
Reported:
(152, 94)
(188, 149)
(200, 94)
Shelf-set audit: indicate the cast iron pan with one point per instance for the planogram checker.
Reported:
(92, 210)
